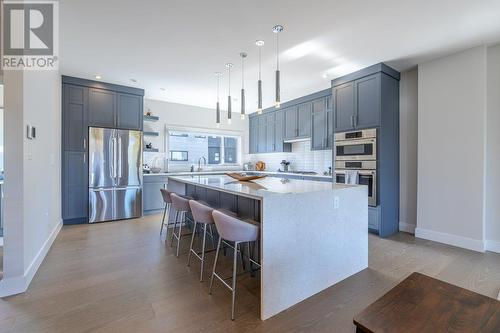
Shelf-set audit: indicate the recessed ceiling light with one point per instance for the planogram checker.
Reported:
(163, 89)
(98, 77)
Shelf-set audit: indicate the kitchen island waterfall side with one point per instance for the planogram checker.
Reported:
(313, 234)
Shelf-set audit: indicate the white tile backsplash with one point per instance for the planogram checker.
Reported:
(302, 158)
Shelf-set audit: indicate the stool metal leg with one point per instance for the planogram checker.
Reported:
(212, 236)
(235, 267)
(183, 218)
(203, 251)
(166, 213)
(173, 231)
(215, 265)
(191, 246)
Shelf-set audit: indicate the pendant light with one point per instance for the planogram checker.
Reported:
(277, 29)
(217, 106)
(229, 66)
(243, 55)
(259, 43)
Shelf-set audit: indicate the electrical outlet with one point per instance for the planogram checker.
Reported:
(336, 203)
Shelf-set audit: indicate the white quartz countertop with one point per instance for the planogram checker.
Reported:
(258, 188)
(218, 172)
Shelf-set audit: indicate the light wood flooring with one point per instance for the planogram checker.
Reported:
(121, 277)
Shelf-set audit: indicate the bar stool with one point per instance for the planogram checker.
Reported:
(166, 211)
(181, 207)
(234, 230)
(202, 214)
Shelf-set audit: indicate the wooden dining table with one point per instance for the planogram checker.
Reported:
(423, 304)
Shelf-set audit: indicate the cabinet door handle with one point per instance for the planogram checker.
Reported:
(352, 121)
(84, 143)
(356, 120)
(84, 158)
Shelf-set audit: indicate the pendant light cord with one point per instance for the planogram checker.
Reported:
(229, 80)
(277, 52)
(260, 61)
(218, 83)
(242, 72)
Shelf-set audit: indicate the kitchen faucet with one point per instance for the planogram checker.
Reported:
(199, 162)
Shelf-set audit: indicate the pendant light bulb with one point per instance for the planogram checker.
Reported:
(259, 44)
(277, 29)
(229, 108)
(217, 104)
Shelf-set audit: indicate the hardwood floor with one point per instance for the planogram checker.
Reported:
(120, 277)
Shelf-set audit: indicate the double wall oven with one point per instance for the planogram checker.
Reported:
(358, 151)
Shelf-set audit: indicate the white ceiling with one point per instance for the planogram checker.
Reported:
(178, 44)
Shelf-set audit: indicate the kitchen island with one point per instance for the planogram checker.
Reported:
(313, 234)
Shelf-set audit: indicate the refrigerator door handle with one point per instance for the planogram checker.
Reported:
(110, 153)
(120, 157)
(115, 153)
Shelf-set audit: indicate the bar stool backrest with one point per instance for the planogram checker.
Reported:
(201, 213)
(166, 195)
(233, 229)
(179, 203)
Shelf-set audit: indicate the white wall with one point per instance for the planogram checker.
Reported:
(451, 149)
(174, 115)
(32, 216)
(493, 151)
(408, 136)
(1, 126)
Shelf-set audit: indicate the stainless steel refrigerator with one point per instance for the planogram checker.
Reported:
(115, 174)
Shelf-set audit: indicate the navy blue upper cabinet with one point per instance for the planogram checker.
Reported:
(298, 121)
(319, 139)
(357, 97)
(270, 132)
(116, 110)
(129, 111)
(357, 104)
(266, 133)
(253, 135)
(343, 106)
(102, 108)
(367, 102)
(304, 119)
(291, 130)
(262, 134)
(279, 133)
(75, 117)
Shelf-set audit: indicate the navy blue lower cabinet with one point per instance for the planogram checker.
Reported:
(75, 187)
(151, 195)
(374, 219)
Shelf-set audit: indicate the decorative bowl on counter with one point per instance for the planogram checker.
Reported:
(242, 177)
(155, 170)
(260, 166)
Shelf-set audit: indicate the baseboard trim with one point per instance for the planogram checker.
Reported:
(459, 241)
(406, 227)
(19, 284)
(493, 246)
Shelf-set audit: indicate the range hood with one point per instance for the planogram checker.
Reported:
(296, 140)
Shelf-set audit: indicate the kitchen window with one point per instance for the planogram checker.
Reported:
(186, 148)
(178, 155)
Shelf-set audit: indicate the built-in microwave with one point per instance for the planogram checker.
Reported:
(356, 146)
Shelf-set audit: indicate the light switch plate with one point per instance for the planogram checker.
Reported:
(30, 132)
